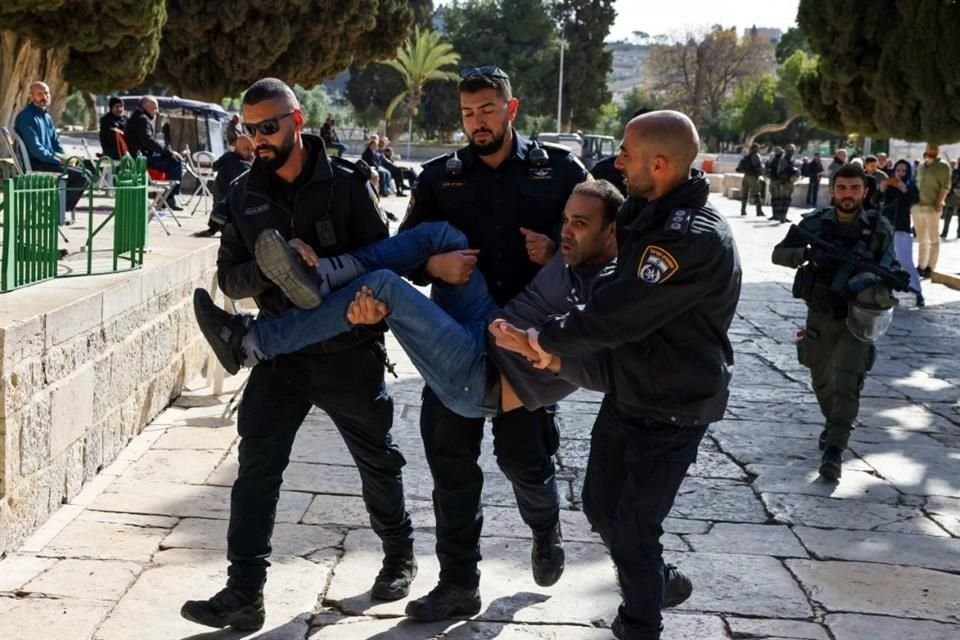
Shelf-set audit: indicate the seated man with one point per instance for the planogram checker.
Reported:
(229, 166)
(112, 123)
(35, 128)
(392, 162)
(141, 139)
(374, 158)
(330, 138)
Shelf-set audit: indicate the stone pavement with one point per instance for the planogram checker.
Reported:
(772, 551)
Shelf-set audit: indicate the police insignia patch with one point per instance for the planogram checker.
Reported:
(541, 173)
(656, 265)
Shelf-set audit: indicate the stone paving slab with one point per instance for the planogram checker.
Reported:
(819, 511)
(888, 548)
(741, 584)
(64, 619)
(759, 628)
(856, 587)
(85, 579)
(855, 485)
(288, 539)
(858, 627)
(752, 539)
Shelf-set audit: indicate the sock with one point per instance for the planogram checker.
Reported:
(252, 354)
(338, 271)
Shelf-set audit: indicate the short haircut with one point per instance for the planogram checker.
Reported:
(849, 170)
(114, 100)
(270, 89)
(606, 193)
(476, 83)
(870, 159)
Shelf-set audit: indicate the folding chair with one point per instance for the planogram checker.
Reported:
(103, 165)
(14, 147)
(200, 166)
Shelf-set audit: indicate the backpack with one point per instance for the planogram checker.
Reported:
(744, 165)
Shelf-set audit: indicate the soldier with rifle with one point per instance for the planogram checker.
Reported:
(846, 272)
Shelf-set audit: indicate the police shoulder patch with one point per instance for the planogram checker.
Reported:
(656, 265)
(678, 222)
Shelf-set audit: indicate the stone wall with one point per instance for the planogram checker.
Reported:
(86, 364)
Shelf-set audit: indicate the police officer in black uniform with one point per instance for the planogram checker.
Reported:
(663, 322)
(507, 195)
(321, 205)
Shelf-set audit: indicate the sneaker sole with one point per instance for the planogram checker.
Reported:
(468, 609)
(274, 259)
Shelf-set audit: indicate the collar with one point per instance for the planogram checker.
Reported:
(690, 194)
(34, 107)
(260, 179)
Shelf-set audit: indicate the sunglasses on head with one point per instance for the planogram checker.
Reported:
(487, 70)
(267, 127)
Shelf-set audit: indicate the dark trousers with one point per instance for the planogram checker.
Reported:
(349, 387)
(633, 474)
(523, 442)
(812, 190)
(169, 166)
(948, 213)
(395, 172)
(76, 180)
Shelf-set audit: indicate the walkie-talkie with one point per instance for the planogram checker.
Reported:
(538, 157)
(454, 166)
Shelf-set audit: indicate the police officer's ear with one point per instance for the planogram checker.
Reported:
(297, 119)
(512, 105)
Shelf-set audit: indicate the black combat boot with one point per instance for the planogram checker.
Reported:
(240, 609)
(676, 590)
(547, 557)
(743, 207)
(223, 331)
(831, 463)
(395, 577)
(445, 600)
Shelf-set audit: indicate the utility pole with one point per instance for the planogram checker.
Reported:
(560, 89)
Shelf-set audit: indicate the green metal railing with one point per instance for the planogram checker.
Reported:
(31, 211)
(129, 214)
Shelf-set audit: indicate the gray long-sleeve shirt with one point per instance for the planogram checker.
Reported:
(555, 290)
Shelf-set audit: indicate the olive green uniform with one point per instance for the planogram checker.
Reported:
(838, 362)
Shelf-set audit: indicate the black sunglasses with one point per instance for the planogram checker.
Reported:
(267, 127)
(487, 70)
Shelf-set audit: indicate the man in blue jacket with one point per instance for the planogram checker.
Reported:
(35, 128)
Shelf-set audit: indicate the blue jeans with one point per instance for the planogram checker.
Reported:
(445, 339)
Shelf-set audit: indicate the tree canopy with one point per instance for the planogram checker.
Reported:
(698, 74)
(586, 23)
(90, 45)
(211, 50)
(887, 68)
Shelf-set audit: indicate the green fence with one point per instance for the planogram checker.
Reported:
(31, 207)
(31, 211)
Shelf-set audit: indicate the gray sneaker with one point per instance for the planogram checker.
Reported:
(283, 267)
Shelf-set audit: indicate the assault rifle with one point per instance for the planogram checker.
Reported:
(856, 260)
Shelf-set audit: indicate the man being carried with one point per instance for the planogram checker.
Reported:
(456, 367)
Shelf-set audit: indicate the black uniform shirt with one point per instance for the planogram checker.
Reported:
(490, 205)
(665, 315)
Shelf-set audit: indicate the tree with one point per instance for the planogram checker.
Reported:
(886, 68)
(211, 50)
(586, 24)
(89, 45)
(420, 61)
(793, 72)
(698, 74)
(793, 40)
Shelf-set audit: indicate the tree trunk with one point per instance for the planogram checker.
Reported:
(22, 62)
(93, 122)
(768, 128)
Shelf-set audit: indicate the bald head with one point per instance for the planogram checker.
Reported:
(39, 94)
(657, 151)
(670, 134)
(150, 105)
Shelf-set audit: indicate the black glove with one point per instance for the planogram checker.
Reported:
(818, 258)
(901, 280)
